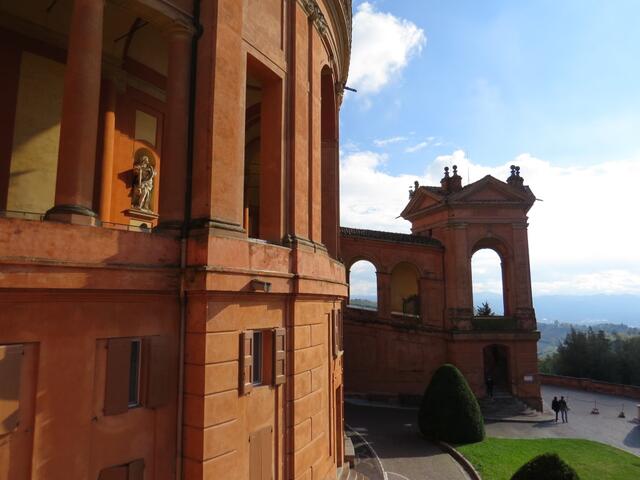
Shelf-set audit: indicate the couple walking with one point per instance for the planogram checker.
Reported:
(560, 406)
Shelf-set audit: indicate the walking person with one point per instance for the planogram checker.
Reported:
(489, 383)
(555, 406)
(563, 410)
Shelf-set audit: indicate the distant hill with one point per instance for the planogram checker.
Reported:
(551, 334)
(580, 309)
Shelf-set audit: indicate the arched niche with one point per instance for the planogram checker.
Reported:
(405, 292)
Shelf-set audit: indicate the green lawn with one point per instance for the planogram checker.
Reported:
(499, 458)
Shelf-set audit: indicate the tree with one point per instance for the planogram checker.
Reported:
(484, 310)
(548, 466)
(449, 410)
(594, 355)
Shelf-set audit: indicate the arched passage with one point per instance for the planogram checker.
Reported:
(363, 285)
(488, 282)
(405, 298)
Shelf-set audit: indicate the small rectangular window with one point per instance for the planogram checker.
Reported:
(257, 358)
(134, 373)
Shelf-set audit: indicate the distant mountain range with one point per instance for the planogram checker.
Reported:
(575, 309)
(580, 309)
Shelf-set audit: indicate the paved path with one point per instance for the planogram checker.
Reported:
(393, 435)
(605, 427)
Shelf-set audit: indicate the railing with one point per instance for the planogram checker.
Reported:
(589, 385)
(39, 217)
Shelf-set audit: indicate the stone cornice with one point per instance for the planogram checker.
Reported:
(333, 23)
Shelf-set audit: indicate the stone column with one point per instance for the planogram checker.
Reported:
(218, 163)
(384, 294)
(174, 158)
(106, 180)
(522, 295)
(80, 108)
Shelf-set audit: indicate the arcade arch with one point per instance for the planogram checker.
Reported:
(363, 285)
(488, 274)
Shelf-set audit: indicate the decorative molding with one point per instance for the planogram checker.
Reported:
(313, 11)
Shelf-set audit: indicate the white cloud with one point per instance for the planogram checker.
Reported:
(417, 147)
(583, 235)
(383, 142)
(382, 47)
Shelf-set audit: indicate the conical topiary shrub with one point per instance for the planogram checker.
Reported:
(548, 466)
(449, 409)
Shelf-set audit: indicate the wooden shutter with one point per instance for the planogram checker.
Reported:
(10, 372)
(340, 332)
(157, 387)
(136, 470)
(334, 332)
(279, 356)
(246, 361)
(266, 447)
(255, 472)
(116, 396)
(114, 473)
(261, 454)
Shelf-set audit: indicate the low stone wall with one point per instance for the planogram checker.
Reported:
(591, 385)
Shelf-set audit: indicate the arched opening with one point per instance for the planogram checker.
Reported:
(405, 299)
(329, 169)
(488, 283)
(363, 286)
(496, 369)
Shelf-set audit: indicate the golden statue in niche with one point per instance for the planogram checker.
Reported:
(144, 171)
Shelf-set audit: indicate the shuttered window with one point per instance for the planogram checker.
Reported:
(246, 361)
(336, 317)
(114, 473)
(135, 470)
(261, 454)
(116, 398)
(130, 471)
(279, 356)
(157, 370)
(137, 374)
(10, 372)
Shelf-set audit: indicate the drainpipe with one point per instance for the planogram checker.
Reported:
(184, 235)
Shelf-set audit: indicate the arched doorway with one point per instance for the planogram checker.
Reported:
(496, 368)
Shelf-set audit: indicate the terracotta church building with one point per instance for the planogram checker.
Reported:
(170, 283)
(425, 314)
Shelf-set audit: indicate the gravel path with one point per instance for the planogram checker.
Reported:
(605, 427)
(405, 455)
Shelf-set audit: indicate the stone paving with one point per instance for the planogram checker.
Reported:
(393, 435)
(606, 427)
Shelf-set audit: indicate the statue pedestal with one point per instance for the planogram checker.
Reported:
(141, 216)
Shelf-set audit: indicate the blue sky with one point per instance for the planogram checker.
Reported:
(551, 85)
